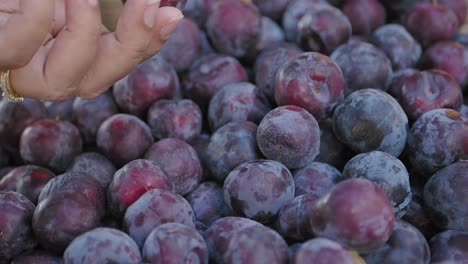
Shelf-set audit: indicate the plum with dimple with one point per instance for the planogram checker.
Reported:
(259, 189)
(322, 29)
(289, 134)
(312, 81)
(346, 216)
(429, 90)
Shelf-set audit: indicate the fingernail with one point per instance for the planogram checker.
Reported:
(170, 27)
(93, 2)
(150, 13)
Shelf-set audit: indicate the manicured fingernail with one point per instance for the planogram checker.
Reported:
(150, 12)
(93, 2)
(170, 27)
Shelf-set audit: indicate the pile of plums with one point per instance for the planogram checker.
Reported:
(264, 131)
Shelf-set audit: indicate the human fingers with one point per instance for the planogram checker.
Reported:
(24, 32)
(142, 30)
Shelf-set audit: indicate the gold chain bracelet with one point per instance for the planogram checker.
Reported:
(7, 91)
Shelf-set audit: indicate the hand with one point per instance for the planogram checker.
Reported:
(57, 49)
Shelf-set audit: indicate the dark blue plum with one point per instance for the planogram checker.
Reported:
(315, 179)
(369, 120)
(102, 245)
(259, 189)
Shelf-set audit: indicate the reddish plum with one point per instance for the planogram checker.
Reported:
(365, 15)
(431, 22)
(346, 216)
(293, 219)
(61, 217)
(429, 90)
(448, 56)
(27, 180)
(132, 181)
(152, 80)
(123, 138)
(50, 143)
(311, 81)
(234, 26)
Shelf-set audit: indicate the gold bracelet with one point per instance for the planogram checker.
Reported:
(7, 91)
